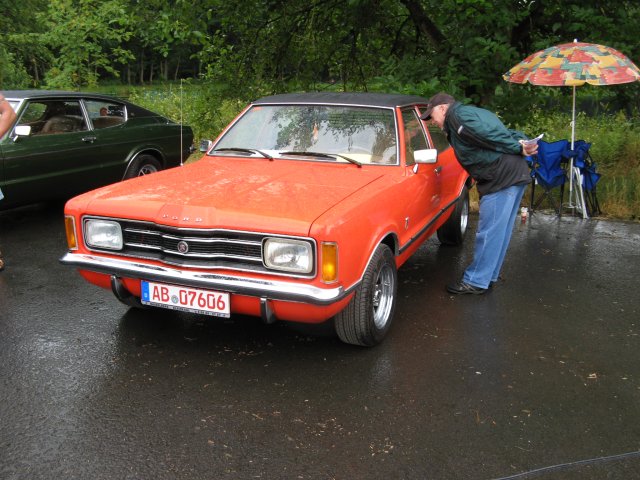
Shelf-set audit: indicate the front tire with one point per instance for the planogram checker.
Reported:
(453, 231)
(143, 165)
(367, 318)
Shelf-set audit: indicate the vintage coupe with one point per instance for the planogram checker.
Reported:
(65, 143)
(302, 210)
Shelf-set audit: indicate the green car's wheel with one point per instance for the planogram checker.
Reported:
(143, 165)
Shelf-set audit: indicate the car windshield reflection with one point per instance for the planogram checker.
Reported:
(334, 133)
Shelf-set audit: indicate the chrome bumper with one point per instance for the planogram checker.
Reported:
(274, 290)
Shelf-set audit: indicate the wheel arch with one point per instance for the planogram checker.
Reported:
(155, 152)
(390, 240)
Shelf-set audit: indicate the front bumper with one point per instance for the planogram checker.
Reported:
(271, 289)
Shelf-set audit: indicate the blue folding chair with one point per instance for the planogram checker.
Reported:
(548, 172)
(590, 177)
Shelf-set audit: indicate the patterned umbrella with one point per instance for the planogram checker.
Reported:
(572, 65)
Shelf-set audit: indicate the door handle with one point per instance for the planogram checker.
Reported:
(437, 170)
(89, 139)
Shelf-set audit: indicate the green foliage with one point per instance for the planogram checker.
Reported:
(199, 105)
(23, 57)
(12, 74)
(87, 35)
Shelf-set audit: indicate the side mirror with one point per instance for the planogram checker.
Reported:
(22, 131)
(426, 156)
(205, 145)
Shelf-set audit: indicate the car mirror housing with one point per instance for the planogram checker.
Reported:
(426, 156)
(205, 145)
(22, 131)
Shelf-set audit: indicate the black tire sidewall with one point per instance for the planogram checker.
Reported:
(355, 324)
(139, 163)
(451, 233)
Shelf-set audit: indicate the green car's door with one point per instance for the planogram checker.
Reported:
(57, 159)
(118, 135)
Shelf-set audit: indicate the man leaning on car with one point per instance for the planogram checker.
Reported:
(7, 117)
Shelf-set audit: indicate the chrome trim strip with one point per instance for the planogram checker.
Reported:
(204, 240)
(143, 246)
(426, 227)
(271, 289)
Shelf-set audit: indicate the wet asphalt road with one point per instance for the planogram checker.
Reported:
(540, 378)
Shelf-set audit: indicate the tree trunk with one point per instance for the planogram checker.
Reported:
(424, 24)
(177, 71)
(142, 67)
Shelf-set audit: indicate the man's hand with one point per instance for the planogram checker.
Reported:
(529, 149)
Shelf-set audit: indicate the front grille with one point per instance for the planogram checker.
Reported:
(205, 249)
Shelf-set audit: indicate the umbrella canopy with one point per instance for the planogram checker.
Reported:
(572, 65)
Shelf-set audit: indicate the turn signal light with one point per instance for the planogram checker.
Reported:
(70, 228)
(329, 262)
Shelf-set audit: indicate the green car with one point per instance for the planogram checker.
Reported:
(65, 143)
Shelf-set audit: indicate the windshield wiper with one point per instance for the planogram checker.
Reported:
(244, 150)
(333, 156)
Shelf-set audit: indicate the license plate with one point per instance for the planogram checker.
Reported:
(186, 299)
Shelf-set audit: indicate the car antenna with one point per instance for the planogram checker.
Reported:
(181, 150)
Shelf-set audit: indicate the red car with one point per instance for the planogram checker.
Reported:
(302, 210)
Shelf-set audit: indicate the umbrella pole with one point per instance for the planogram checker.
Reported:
(573, 139)
(574, 171)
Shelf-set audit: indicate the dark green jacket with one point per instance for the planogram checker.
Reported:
(479, 138)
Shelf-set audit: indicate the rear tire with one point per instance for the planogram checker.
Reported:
(367, 318)
(453, 231)
(143, 165)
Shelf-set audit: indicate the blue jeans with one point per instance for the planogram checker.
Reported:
(498, 212)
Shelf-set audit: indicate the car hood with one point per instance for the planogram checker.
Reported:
(277, 196)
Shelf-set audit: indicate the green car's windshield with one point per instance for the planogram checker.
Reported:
(366, 135)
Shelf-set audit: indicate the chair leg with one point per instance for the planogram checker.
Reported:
(549, 195)
(533, 191)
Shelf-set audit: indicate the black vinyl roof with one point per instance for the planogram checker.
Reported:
(344, 98)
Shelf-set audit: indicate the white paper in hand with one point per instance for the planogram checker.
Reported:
(533, 141)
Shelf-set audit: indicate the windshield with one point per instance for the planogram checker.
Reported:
(367, 135)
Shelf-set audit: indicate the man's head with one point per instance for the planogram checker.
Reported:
(437, 108)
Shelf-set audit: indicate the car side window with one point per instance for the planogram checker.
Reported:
(46, 117)
(414, 137)
(438, 138)
(105, 114)
(33, 116)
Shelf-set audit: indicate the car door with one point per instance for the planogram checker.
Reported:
(57, 159)
(450, 167)
(115, 136)
(422, 196)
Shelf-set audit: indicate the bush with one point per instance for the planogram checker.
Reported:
(201, 106)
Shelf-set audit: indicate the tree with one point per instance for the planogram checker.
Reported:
(87, 37)
(23, 58)
(254, 46)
